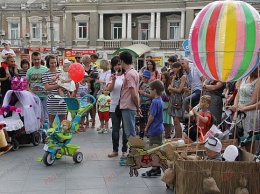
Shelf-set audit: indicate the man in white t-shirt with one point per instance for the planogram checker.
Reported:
(195, 79)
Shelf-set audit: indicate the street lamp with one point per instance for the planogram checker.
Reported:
(53, 47)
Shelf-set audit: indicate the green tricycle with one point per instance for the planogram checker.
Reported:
(61, 134)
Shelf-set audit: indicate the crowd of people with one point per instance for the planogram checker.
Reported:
(158, 99)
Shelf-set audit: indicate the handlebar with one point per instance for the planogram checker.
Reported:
(85, 103)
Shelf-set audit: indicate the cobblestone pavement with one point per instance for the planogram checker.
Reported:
(20, 173)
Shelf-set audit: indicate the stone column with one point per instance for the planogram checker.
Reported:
(101, 27)
(124, 26)
(129, 26)
(152, 25)
(68, 40)
(24, 27)
(182, 24)
(158, 25)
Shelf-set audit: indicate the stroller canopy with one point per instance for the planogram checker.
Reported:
(31, 108)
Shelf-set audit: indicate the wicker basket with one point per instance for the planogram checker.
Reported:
(190, 174)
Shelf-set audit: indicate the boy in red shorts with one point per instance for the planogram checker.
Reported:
(103, 110)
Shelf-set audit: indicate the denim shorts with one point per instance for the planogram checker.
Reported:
(128, 118)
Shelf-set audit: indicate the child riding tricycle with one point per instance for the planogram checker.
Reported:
(61, 134)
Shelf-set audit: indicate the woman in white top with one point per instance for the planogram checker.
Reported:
(104, 74)
(114, 86)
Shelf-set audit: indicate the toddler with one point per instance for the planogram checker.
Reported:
(83, 88)
(64, 80)
(103, 110)
(7, 51)
(145, 101)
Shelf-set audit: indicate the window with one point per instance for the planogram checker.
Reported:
(117, 31)
(35, 27)
(82, 30)
(82, 22)
(173, 26)
(56, 28)
(14, 31)
(144, 26)
(35, 31)
(174, 30)
(145, 31)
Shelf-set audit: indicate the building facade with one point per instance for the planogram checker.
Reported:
(100, 26)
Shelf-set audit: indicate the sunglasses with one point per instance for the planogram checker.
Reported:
(212, 141)
(77, 57)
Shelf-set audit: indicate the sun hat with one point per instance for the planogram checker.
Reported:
(6, 42)
(66, 61)
(146, 73)
(231, 153)
(213, 144)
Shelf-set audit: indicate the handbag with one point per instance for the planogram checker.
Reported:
(177, 104)
(118, 112)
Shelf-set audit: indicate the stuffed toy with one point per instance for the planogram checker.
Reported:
(4, 147)
(65, 126)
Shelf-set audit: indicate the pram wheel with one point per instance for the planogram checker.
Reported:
(15, 144)
(77, 157)
(47, 159)
(36, 138)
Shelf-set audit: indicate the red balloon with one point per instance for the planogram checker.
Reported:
(76, 72)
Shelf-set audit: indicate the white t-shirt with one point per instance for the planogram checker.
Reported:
(104, 76)
(115, 94)
(4, 52)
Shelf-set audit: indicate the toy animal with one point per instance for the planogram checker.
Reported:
(142, 158)
(4, 147)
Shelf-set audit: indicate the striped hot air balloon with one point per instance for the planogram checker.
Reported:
(224, 40)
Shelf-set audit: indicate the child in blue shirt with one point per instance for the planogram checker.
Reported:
(154, 126)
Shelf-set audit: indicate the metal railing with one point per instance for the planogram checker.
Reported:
(146, 42)
(112, 44)
(173, 44)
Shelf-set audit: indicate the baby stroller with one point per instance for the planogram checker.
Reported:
(21, 112)
(229, 128)
(57, 137)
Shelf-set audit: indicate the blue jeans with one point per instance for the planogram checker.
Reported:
(194, 97)
(116, 122)
(45, 118)
(128, 117)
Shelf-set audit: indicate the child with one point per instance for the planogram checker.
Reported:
(7, 51)
(167, 120)
(83, 88)
(103, 108)
(154, 126)
(213, 149)
(145, 101)
(203, 119)
(65, 81)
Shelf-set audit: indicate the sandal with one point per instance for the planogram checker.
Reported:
(112, 154)
(81, 129)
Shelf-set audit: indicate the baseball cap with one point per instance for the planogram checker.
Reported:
(213, 144)
(146, 73)
(6, 42)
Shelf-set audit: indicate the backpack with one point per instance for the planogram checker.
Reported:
(213, 119)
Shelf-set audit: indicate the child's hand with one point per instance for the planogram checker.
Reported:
(195, 110)
(63, 81)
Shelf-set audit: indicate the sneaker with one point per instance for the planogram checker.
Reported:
(101, 131)
(105, 131)
(122, 162)
(151, 173)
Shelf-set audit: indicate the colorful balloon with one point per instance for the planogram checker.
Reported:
(76, 72)
(224, 40)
